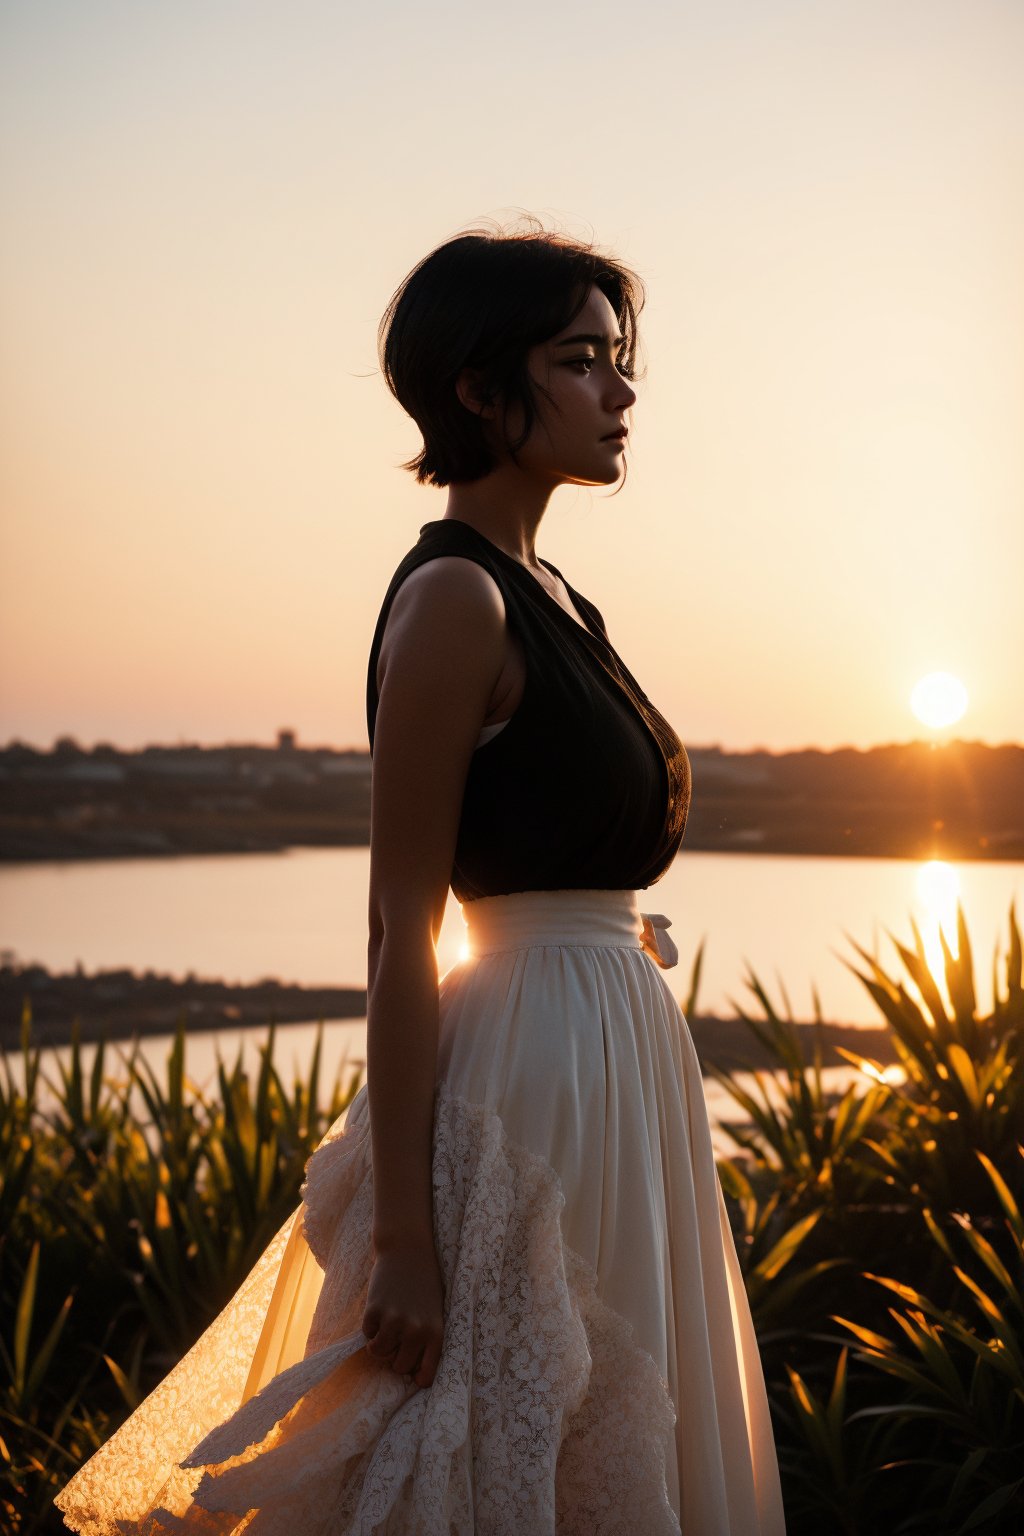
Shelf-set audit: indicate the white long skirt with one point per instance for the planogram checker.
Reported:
(599, 1376)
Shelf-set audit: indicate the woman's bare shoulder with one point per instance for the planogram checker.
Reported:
(447, 590)
(445, 576)
(444, 611)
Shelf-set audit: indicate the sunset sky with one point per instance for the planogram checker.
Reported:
(208, 206)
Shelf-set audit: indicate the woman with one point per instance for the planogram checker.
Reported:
(512, 1302)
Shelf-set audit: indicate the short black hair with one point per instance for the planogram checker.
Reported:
(480, 301)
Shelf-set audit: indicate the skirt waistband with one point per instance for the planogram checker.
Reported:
(525, 918)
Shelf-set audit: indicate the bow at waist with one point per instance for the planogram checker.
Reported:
(656, 942)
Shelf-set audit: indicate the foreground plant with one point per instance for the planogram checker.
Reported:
(964, 1088)
(931, 1158)
(962, 1373)
(126, 1229)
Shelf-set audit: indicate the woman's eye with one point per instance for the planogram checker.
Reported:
(588, 362)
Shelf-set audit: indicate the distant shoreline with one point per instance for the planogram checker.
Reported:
(916, 801)
(120, 1004)
(128, 855)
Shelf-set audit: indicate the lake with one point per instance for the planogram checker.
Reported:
(301, 916)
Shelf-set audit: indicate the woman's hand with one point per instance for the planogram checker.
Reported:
(404, 1314)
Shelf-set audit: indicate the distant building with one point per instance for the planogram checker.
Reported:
(286, 741)
(183, 763)
(96, 773)
(348, 762)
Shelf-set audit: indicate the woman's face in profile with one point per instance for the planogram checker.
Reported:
(589, 398)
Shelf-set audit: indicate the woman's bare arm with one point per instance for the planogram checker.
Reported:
(444, 650)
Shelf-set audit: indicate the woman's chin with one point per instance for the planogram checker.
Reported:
(607, 473)
(612, 474)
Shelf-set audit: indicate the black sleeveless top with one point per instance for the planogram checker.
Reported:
(587, 786)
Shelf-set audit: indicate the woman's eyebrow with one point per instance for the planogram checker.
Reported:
(596, 338)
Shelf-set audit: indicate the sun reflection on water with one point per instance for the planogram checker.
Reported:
(939, 890)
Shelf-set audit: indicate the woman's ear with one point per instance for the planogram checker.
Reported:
(469, 388)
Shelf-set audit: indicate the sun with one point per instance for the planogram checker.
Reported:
(938, 699)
